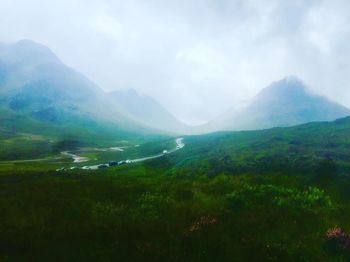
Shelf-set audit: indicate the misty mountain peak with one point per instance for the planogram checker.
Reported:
(289, 83)
(290, 86)
(285, 102)
(292, 80)
(27, 52)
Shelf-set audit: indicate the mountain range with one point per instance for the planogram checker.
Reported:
(146, 110)
(39, 94)
(287, 102)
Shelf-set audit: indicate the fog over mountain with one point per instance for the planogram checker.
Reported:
(35, 84)
(284, 103)
(40, 94)
(146, 110)
(197, 58)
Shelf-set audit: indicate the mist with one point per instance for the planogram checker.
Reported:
(197, 58)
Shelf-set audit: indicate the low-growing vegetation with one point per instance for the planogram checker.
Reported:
(272, 195)
(142, 212)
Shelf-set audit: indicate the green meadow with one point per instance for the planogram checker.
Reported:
(230, 198)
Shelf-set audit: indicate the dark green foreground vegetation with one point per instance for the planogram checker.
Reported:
(139, 213)
(275, 195)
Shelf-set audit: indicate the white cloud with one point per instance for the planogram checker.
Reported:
(198, 58)
(108, 25)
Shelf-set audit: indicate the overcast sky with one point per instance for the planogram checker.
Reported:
(196, 57)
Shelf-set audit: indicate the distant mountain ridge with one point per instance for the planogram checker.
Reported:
(148, 111)
(36, 87)
(284, 103)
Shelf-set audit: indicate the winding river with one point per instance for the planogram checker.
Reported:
(79, 159)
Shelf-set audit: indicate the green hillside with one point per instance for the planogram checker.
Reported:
(25, 137)
(294, 150)
(46, 106)
(273, 195)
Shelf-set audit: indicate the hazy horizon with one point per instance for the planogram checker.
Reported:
(197, 58)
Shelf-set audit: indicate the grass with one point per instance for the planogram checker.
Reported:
(244, 196)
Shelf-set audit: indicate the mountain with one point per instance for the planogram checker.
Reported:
(284, 103)
(35, 79)
(41, 95)
(148, 111)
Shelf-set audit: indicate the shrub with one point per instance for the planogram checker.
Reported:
(150, 205)
(254, 196)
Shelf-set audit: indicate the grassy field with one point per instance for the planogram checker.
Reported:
(274, 195)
